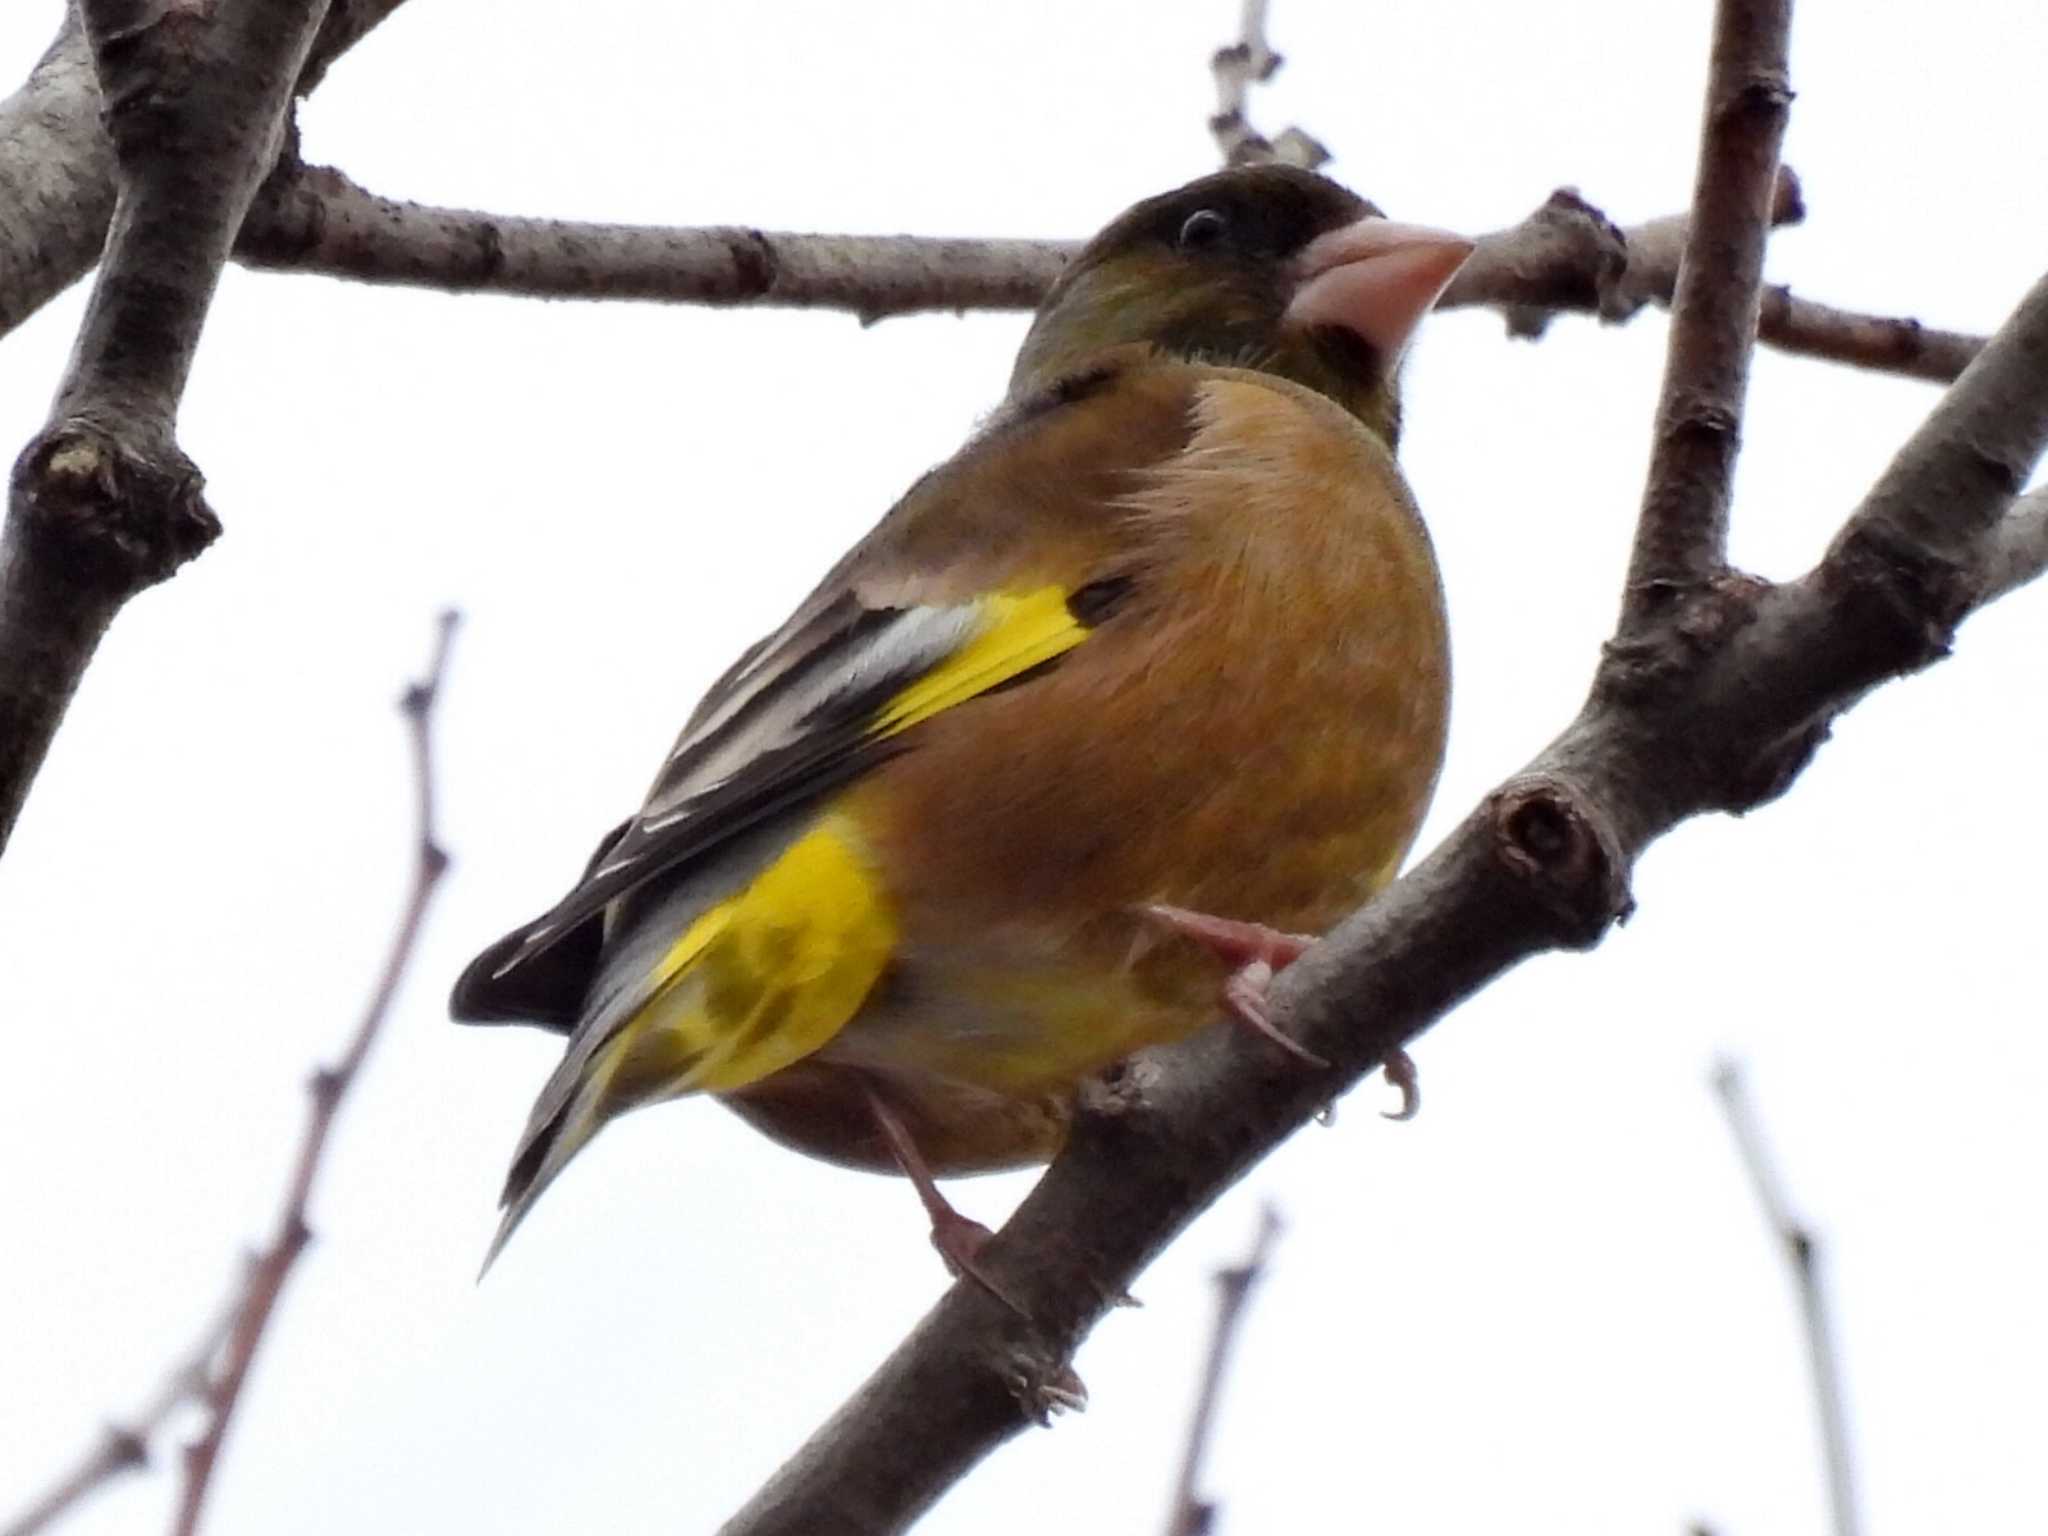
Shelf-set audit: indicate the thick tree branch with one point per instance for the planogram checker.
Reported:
(56, 178)
(347, 23)
(328, 1087)
(102, 502)
(1682, 534)
(1802, 1254)
(1957, 477)
(57, 164)
(1715, 699)
(2017, 551)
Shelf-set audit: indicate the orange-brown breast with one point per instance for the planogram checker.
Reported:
(1254, 733)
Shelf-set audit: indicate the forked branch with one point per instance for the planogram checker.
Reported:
(102, 502)
(1713, 696)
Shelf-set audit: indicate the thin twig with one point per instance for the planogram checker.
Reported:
(1682, 531)
(326, 1090)
(316, 219)
(1192, 1514)
(124, 1446)
(202, 1375)
(1880, 343)
(1238, 67)
(1802, 1253)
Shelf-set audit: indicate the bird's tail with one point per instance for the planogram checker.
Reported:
(572, 1108)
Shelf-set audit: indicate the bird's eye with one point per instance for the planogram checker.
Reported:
(1205, 226)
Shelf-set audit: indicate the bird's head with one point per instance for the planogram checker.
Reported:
(1260, 266)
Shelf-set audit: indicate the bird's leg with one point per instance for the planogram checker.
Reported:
(1256, 954)
(958, 1238)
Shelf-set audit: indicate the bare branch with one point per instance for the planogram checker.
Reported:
(124, 1447)
(56, 177)
(1714, 699)
(1880, 343)
(328, 1087)
(2018, 549)
(1582, 272)
(1237, 68)
(1682, 533)
(57, 164)
(1192, 1514)
(1566, 257)
(1656, 249)
(102, 502)
(348, 22)
(320, 221)
(1945, 491)
(212, 1372)
(1802, 1253)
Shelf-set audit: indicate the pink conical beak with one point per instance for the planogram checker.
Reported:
(1377, 279)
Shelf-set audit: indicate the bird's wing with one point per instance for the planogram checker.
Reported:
(838, 699)
(992, 568)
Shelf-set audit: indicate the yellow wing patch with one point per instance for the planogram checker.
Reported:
(768, 976)
(1023, 630)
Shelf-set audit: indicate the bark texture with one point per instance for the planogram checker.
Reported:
(102, 502)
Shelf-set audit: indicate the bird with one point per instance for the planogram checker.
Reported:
(1114, 709)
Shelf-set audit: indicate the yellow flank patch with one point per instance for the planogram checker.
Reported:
(1022, 631)
(768, 976)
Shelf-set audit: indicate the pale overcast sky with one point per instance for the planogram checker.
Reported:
(1547, 1305)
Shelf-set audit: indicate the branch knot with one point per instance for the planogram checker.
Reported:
(1555, 846)
(115, 516)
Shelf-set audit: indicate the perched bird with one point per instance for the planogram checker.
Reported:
(1151, 673)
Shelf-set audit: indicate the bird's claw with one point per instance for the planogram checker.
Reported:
(1244, 996)
(1399, 1069)
(1041, 1397)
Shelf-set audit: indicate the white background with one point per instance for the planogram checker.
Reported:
(1548, 1305)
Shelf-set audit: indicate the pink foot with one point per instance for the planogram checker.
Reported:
(1255, 954)
(1235, 944)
